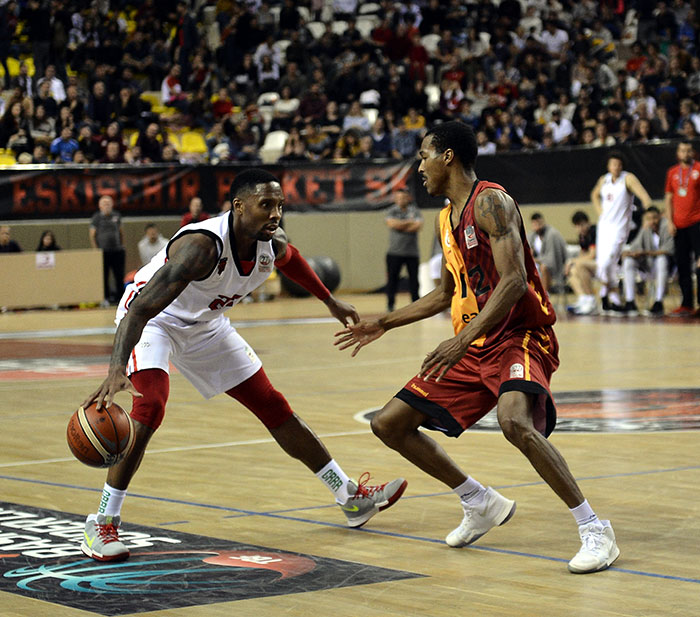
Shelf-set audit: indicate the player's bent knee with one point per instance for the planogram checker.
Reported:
(517, 430)
(259, 396)
(381, 426)
(154, 385)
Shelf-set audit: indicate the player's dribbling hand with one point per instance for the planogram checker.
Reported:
(442, 359)
(104, 395)
(360, 334)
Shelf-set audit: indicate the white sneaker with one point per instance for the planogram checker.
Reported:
(494, 510)
(598, 548)
(587, 306)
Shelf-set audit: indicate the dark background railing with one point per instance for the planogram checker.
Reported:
(553, 176)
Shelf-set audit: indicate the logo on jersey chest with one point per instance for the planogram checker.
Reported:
(222, 265)
(265, 263)
(470, 237)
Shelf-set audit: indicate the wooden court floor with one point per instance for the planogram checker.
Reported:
(629, 388)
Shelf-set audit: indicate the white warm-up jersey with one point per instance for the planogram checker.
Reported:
(617, 202)
(224, 286)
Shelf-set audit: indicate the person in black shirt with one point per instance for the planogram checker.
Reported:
(581, 269)
(7, 244)
(47, 242)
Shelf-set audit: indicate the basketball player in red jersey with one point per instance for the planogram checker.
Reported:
(504, 350)
(174, 312)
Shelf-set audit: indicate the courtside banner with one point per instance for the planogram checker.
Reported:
(553, 176)
(42, 191)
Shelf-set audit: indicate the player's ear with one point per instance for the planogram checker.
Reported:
(448, 156)
(236, 204)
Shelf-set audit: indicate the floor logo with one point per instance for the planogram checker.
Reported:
(40, 558)
(612, 411)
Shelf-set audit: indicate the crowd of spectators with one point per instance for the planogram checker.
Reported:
(341, 78)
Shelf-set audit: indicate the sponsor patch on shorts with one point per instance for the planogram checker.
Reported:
(251, 354)
(517, 371)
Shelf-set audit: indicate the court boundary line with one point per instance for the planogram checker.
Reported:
(278, 515)
(71, 332)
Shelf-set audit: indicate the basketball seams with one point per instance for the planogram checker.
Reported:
(79, 454)
(114, 430)
(90, 434)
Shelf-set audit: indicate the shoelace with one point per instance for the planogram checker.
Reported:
(108, 533)
(366, 491)
(593, 541)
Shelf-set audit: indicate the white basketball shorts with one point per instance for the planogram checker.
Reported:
(211, 355)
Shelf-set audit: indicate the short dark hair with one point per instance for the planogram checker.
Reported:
(149, 226)
(458, 137)
(536, 216)
(247, 181)
(616, 154)
(579, 217)
(652, 209)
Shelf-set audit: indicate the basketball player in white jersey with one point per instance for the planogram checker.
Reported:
(613, 198)
(174, 312)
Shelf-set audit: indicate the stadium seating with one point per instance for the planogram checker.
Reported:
(193, 143)
(274, 146)
(7, 159)
(433, 93)
(317, 28)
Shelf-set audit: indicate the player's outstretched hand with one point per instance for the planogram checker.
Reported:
(442, 359)
(359, 335)
(342, 311)
(115, 382)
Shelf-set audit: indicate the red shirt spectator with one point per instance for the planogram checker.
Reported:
(222, 105)
(196, 213)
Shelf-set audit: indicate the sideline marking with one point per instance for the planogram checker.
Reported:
(71, 332)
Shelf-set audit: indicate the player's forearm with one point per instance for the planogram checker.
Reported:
(295, 267)
(127, 336)
(427, 306)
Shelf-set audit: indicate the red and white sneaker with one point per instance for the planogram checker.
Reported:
(101, 538)
(368, 500)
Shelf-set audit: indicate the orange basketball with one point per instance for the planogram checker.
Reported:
(100, 438)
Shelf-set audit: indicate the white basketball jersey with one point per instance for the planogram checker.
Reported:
(617, 202)
(223, 287)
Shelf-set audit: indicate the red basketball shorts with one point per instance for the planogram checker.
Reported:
(523, 362)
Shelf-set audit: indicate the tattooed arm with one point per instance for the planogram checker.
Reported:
(190, 257)
(496, 214)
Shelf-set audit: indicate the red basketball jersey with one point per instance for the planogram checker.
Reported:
(469, 259)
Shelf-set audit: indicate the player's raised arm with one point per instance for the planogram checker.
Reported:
(190, 257)
(496, 214)
(290, 262)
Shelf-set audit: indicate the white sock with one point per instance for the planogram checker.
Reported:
(614, 298)
(584, 514)
(603, 290)
(470, 491)
(336, 481)
(111, 501)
